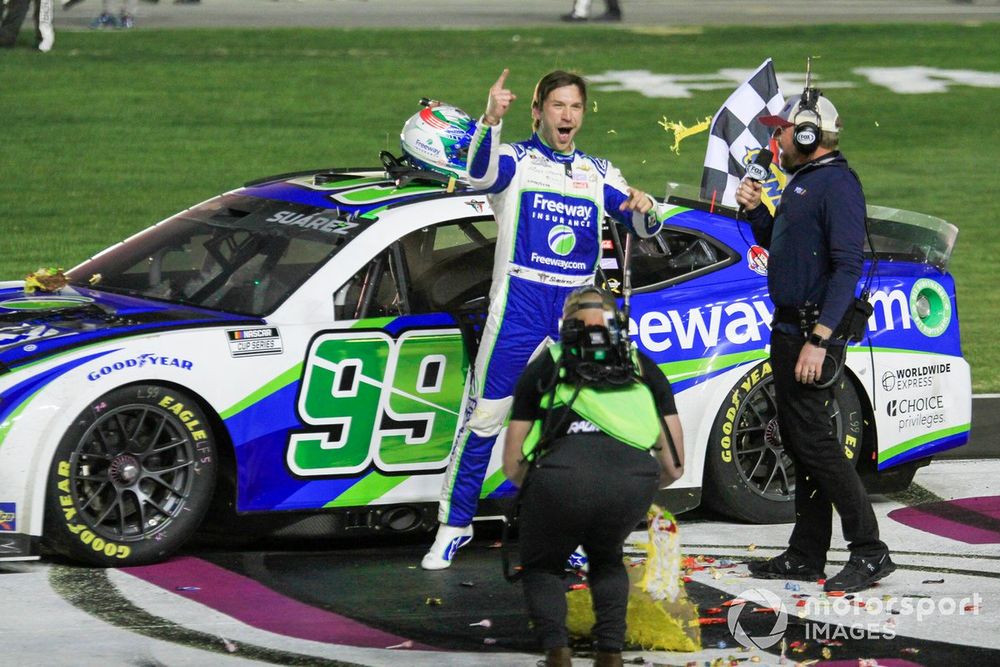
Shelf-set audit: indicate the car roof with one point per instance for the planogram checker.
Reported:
(356, 192)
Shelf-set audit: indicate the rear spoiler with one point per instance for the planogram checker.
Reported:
(898, 235)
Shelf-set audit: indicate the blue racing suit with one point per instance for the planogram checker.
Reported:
(548, 207)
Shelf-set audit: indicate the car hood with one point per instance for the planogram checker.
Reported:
(36, 325)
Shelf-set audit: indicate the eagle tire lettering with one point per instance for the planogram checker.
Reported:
(132, 477)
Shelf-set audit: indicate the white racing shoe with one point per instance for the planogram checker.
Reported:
(48, 38)
(448, 540)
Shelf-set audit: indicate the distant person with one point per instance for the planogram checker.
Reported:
(581, 11)
(13, 16)
(108, 18)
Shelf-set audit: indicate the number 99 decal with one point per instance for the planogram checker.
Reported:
(392, 402)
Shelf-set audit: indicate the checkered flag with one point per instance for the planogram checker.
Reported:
(736, 135)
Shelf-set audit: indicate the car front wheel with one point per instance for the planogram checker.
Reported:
(132, 477)
(749, 476)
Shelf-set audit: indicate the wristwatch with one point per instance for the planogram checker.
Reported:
(818, 341)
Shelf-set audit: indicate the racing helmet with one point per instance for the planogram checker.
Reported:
(437, 139)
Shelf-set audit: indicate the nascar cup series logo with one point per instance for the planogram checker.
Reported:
(562, 240)
(765, 599)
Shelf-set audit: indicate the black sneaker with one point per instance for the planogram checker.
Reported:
(860, 573)
(573, 18)
(609, 17)
(785, 566)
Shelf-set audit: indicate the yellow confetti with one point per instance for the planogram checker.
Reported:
(876, 124)
(751, 547)
(451, 184)
(682, 132)
(94, 279)
(433, 602)
(612, 132)
(595, 106)
(827, 652)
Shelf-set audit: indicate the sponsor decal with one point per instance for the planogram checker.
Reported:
(757, 260)
(739, 323)
(576, 215)
(799, 190)
(562, 240)
(45, 302)
(930, 307)
(915, 377)
(254, 342)
(322, 222)
(8, 517)
(582, 426)
(478, 205)
(25, 332)
(924, 412)
(145, 359)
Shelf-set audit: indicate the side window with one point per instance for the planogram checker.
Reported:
(451, 265)
(441, 268)
(374, 291)
(672, 255)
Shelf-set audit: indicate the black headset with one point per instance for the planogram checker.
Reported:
(807, 134)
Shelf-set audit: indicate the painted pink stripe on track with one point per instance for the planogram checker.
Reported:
(956, 519)
(254, 604)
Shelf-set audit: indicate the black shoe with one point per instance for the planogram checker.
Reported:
(860, 573)
(573, 18)
(66, 4)
(785, 566)
(609, 17)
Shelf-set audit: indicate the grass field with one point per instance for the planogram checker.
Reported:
(112, 132)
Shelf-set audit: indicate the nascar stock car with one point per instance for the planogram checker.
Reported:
(301, 345)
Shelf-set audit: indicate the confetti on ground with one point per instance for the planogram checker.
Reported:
(407, 644)
(230, 646)
(751, 547)
(489, 641)
(188, 588)
(485, 623)
(933, 581)
(433, 602)
(468, 584)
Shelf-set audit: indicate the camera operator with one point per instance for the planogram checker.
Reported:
(815, 241)
(586, 414)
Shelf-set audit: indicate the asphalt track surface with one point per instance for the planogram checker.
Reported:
(317, 602)
(515, 13)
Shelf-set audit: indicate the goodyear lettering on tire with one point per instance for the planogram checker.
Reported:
(84, 534)
(735, 400)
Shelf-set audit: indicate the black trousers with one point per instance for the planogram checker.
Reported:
(824, 477)
(590, 491)
(13, 17)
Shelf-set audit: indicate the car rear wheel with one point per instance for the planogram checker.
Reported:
(748, 473)
(132, 477)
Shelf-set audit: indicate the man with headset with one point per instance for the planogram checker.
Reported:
(586, 414)
(815, 241)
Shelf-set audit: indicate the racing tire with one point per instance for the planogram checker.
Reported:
(131, 478)
(749, 476)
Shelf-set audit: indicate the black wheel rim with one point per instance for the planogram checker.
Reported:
(761, 460)
(132, 472)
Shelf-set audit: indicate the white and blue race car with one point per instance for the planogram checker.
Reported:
(301, 346)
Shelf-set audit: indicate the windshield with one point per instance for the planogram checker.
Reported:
(234, 253)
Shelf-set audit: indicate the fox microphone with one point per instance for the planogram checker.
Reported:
(760, 168)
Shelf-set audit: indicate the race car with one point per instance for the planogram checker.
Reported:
(300, 346)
